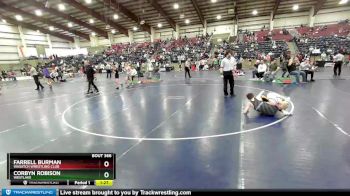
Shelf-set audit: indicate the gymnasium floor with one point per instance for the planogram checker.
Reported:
(185, 134)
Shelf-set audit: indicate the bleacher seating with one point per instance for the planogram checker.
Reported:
(327, 38)
(325, 31)
(161, 50)
(328, 44)
(254, 50)
(276, 34)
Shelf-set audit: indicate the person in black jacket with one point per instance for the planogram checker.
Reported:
(90, 77)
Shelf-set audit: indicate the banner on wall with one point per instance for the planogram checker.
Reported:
(40, 50)
(20, 51)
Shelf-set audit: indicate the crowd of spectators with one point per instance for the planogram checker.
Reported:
(319, 45)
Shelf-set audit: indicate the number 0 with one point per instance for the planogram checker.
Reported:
(106, 174)
(106, 163)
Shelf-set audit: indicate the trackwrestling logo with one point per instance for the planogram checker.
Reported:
(28, 192)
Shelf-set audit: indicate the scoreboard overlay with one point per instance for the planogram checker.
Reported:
(61, 168)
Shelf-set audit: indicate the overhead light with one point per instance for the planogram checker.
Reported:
(4, 21)
(37, 31)
(182, 16)
(88, 1)
(91, 21)
(187, 21)
(213, 1)
(108, 26)
(51, 28)
(142, 22)
(19, 17)
(113, 31)
(134, 28)
(61, 7)
(218, 17)
(93, 34)
(38, 12)
(255, 12)
(343, 2)
(70, 24)
(115, 16)
(176, 6)
(295, 7)
(159, 25)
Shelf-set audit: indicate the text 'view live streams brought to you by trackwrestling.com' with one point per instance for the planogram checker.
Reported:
(87, 173)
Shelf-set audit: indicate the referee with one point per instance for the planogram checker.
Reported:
(338, 62)
(228, 65)
(34, 73)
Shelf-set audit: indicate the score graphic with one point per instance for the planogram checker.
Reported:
(61, 169)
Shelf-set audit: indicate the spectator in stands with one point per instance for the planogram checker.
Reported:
(4, 75)
(292, 69)
(201, 64)
(338, 60)
(23, 71)
(11, 75)
(273, 69)
(306, 67)
(324, 56)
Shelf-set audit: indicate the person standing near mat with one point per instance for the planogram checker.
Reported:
(90, 77)
(338, 62)
(116, 75)
(108, 70)
(34, 73)
(227, 67)
(187, 68)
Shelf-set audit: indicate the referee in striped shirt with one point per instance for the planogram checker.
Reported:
(228, 65)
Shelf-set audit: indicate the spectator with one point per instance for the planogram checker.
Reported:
(108, 70)
(308, 69)
(292, 69)
(338, 62)
(262, 68)
(255, 71)
(4, 75)
(272, 71)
